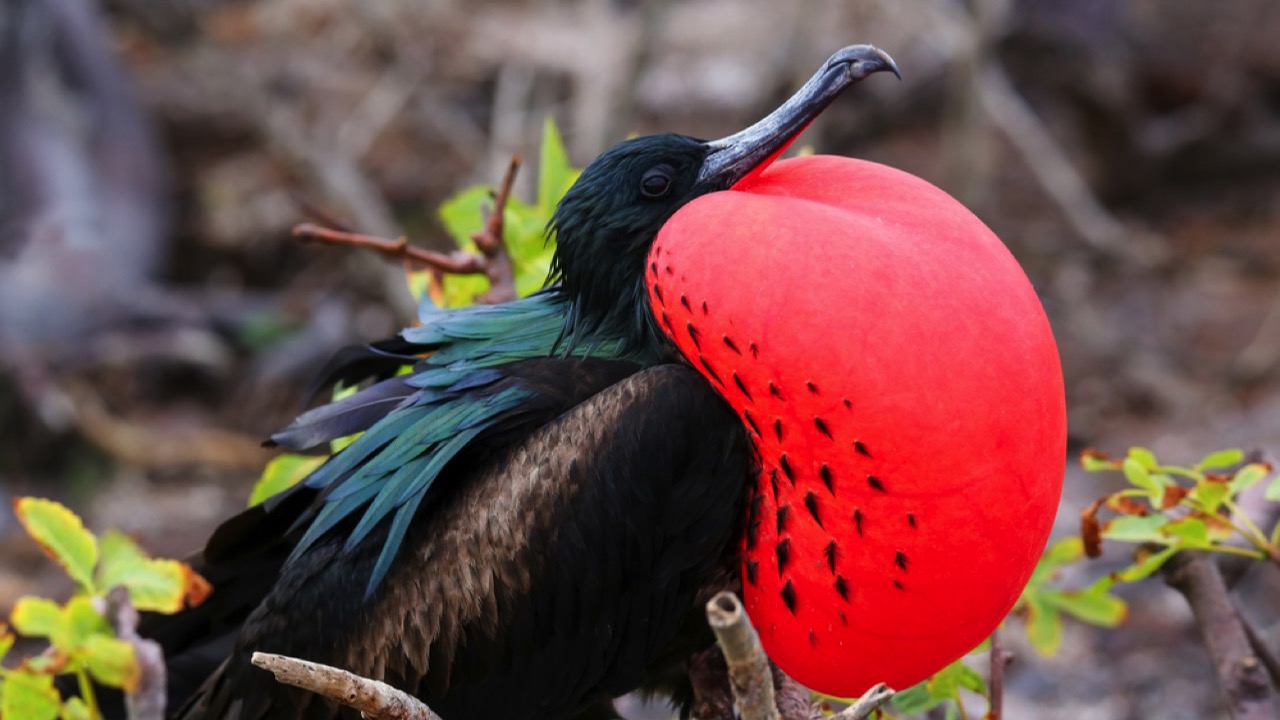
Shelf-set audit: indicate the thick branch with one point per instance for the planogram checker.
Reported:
(862, 708)
(749, 675)
(375, 700)
(1242, 676)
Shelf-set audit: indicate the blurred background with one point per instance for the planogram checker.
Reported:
(157, 320)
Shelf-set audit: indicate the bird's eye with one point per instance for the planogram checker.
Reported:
(656, 182)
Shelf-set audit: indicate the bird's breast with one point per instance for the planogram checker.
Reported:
(901, 386)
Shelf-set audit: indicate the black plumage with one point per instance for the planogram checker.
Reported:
(533, 518)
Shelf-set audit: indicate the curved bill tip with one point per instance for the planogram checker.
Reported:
(863, 60)
(746, 153)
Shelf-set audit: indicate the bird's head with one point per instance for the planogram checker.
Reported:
(608, 220)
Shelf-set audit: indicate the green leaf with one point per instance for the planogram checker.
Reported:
(75, 709)
(1137, 529)
(81, 621)
(1139, 476)
(1044, 626)
(38, 617)
(1093, 461)
(1220, 460)
(154, 585)
(1208, 495)
(460, 215)
(1143, 457)
(1192, 533)
(916, 699)
(1146, 566)
(555, 174)
(282, 473)
(1094, 605)
(1248, 476)
(111, 662)
(6, 641)
(29, 696)
(1273, 489)
(62, 536)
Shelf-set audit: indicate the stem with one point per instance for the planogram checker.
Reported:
(86, 694)
(1259, 538)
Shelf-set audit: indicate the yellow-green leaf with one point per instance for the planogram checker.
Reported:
(1137, 529)
(1192, 533)
(1094, 605)
(1143, 457)
(81, 620)
(75, 709)
(1273, 490)
(6, 640)
(1247, 477)
(38, 617)
(62, 536)
(1146, 566)
(1044, 626)
(111, 662)
(282, 473)
(1221, 459)
(29, 696)
(1209, 495)
(155, 585)
(555, 175)
(1139, 476)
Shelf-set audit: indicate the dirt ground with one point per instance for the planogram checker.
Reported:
(157, 320)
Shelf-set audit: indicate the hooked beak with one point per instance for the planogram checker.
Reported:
(748, 152)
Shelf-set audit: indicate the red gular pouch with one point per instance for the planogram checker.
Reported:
(902, 387)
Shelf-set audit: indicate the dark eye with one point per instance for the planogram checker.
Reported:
(656, 182)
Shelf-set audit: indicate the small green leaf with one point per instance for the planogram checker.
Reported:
(460, 214)
(1137, 529)
(111, 662)
(75, 709)
(1139, 476)
(6, 641)
(1143, 457)
(1220, 460)
(1093, 461)
(1273, 490)
(1146, 566)
(1044, 626)
(38, 617)
(81, 621)
(916, 699)
(555, 174)
(29, 696)
(62, 536)
(1094, 605)
(154, 585)
(1192, 533)
(282, 473)
(1208, 495)
(1247, 476)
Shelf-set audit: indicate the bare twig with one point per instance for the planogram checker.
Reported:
(749, 675)
(459, 263)
(147, 700)
(375, 700)
(1240, 673)
(493, 261)
(491, 244)
(999, 661)
(862, 708)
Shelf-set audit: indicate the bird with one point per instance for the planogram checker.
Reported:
(532, 519)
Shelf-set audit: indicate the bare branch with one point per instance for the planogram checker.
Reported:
(375, 700)
(749, 675)
(459, 263)
(492, 245)
(999, 661)
(1240, 673)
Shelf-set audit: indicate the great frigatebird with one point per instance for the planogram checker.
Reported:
(532, 519)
